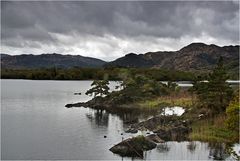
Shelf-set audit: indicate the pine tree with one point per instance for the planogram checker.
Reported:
(99, 87)
(219, 91)
(216, 93)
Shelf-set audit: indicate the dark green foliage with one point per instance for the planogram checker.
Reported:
(216, 93)
(135, 87)
(93, 74)
(99, 87)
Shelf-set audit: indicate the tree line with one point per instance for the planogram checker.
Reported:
(94, 74)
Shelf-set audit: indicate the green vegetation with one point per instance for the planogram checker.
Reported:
(181, 99)
(232, 111)
(93, 74)
(213, 130)
(137, 87)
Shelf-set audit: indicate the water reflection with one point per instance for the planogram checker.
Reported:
(192, 149)
(191, 146)
(101, 117)
(217, 151)
(98, 117)
(163, 148)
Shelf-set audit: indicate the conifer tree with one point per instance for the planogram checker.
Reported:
(216, 93)
(99, 88)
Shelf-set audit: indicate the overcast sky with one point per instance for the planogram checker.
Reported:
(108, 30)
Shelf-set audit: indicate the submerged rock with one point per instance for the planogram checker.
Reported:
(133, 147)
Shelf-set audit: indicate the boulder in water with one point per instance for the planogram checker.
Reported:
(133, 147)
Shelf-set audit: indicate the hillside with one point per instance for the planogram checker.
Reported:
(48, 60)
(196, 56)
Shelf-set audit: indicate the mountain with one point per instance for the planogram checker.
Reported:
(48, 60)
(196, 56)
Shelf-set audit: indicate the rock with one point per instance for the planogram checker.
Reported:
(155, 138)
(105, 136)
(68, 105)
(77, 93)
(121, 133)
(179, 133)
(80, 104)
(133, 147)
(132, 121)
(131, 130)
(163, 134)
(168, 128)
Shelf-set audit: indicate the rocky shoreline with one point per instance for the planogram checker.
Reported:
(164, 128)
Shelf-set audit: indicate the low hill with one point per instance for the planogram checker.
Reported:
(48, 60)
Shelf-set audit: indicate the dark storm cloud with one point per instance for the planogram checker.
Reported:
(119, 26)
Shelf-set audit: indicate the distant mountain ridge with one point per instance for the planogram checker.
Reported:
(195, 56)
(48, 60)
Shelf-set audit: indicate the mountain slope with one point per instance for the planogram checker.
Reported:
(196, 56)
(48, 60)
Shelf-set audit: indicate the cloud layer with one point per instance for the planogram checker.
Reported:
(108, 30)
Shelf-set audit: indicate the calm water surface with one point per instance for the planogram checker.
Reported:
(36, 125)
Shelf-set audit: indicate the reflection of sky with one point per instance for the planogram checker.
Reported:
(176, 110)
(236, 149)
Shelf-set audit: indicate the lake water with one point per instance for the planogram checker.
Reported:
(36, 125)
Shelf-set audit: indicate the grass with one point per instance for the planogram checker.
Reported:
(183, 100)
(213, 130)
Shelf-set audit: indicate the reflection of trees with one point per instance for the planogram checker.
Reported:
(217, 151)
(163, 148)
(100, 117)
(134, 115)
(128, 115)
(191, 146)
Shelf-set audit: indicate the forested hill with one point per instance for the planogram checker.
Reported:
(196, 56)
(48, 61)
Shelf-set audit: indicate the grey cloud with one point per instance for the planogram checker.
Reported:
(77, 23)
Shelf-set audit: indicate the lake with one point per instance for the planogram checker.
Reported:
(35, 125)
